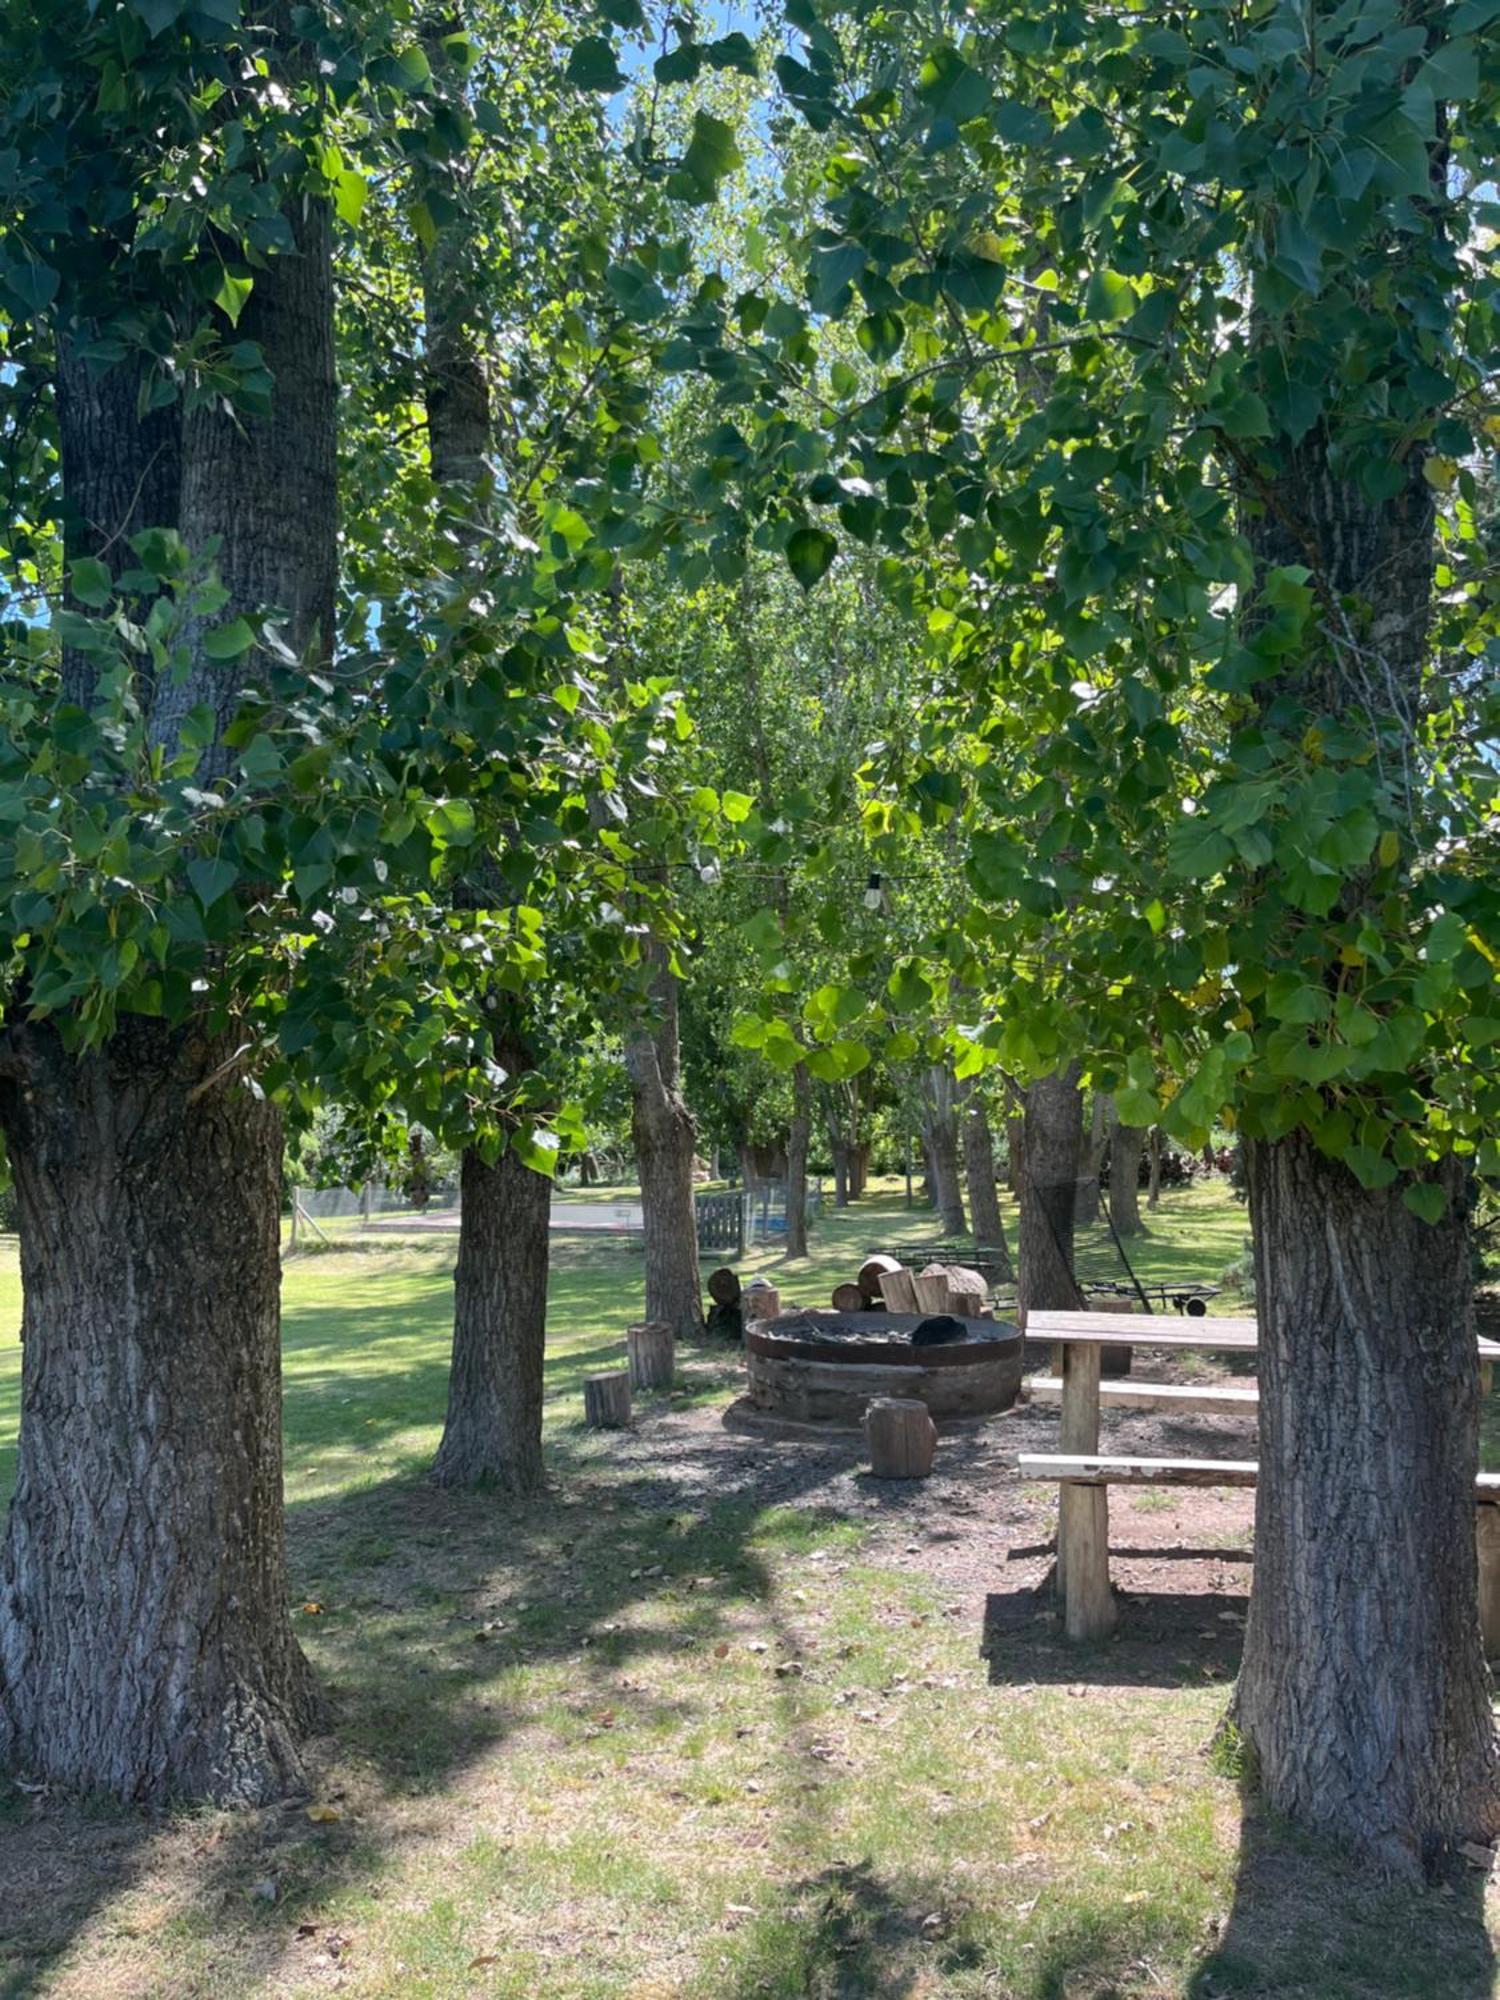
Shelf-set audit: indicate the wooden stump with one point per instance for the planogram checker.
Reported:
(901, 1437)
(650, 1347)
(606, 1401)
(899, 1290)
(848, 1299)
(1487, 1541)
(871, 1274)
(931, 1286)
(724, 1286)
(965, 1284)
(759, 1301)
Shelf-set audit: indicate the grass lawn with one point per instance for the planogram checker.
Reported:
(708, 1720)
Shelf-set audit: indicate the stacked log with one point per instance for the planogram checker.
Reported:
(725, 1318)
(898, 1289)
(871, 1280)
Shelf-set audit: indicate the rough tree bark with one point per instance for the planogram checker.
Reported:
(979, 1172)
(1051, 1140)
(1090, 1160)
(1363, 1692)
(940, 1138)
(492, 1435)
(1126, 1146)
(799, 1133)
(665, 1139)
(144, 1643)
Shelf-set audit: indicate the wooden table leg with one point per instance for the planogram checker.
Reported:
(1083, 1511)
(1487, 1543)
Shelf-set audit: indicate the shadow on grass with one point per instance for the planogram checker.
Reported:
(1307, 1920)
(429, 1600)
(1164, 1639)
(844, 1933)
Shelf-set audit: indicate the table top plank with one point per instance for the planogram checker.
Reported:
(1223, 1331)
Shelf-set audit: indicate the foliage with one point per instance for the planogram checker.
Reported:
(1108, 276)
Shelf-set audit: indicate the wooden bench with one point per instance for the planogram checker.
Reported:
(1189, 1399)
(1088, 1602)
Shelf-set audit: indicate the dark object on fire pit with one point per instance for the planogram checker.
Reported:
(938, 1331)
(826, 1367)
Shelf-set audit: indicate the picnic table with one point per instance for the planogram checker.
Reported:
(1085, 1476)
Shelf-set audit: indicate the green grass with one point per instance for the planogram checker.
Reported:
(566, 1764)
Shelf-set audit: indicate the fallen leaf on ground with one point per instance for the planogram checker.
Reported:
(322, 1815)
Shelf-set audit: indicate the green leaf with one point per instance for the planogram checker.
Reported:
(712, 152)
(231, 296)
(227, 642)
(839, 1061)
(1425, 1199)
(881, 335)
(1109, 296)
(592, 65)
(211, 877)
(1446, 939)
(537, 1148)
(91, 581)
(951, 87)
(810, 552)
(736, 807)
(350, 193)
(624, 13)
(451, 821)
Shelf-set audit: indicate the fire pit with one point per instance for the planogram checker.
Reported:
(823, 1367)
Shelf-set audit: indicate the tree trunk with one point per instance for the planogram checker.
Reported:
(799, 1133)
(145, 1645)
(1050, 1146)
(839, 1150)
(123, 474)
(266, 487)
(984, 1194)
(940, 1137)
(665, 1140)
(1363, 1693)
(1014, 1140)
(1126, 1145)
(144, 1642)
(492, 1435)
(1090, 1160)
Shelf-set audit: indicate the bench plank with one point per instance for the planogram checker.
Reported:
(1095, 1469)
(1131, 1395)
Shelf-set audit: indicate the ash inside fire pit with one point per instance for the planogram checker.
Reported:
(824, 1367)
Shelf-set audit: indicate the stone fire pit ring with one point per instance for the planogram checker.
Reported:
(824, 1367)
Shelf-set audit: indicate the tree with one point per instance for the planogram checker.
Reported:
(983, 1184)
(1166, 419)
(940, 1140)
(1052, 1137)
(145, 1644)
(1127, 1145)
